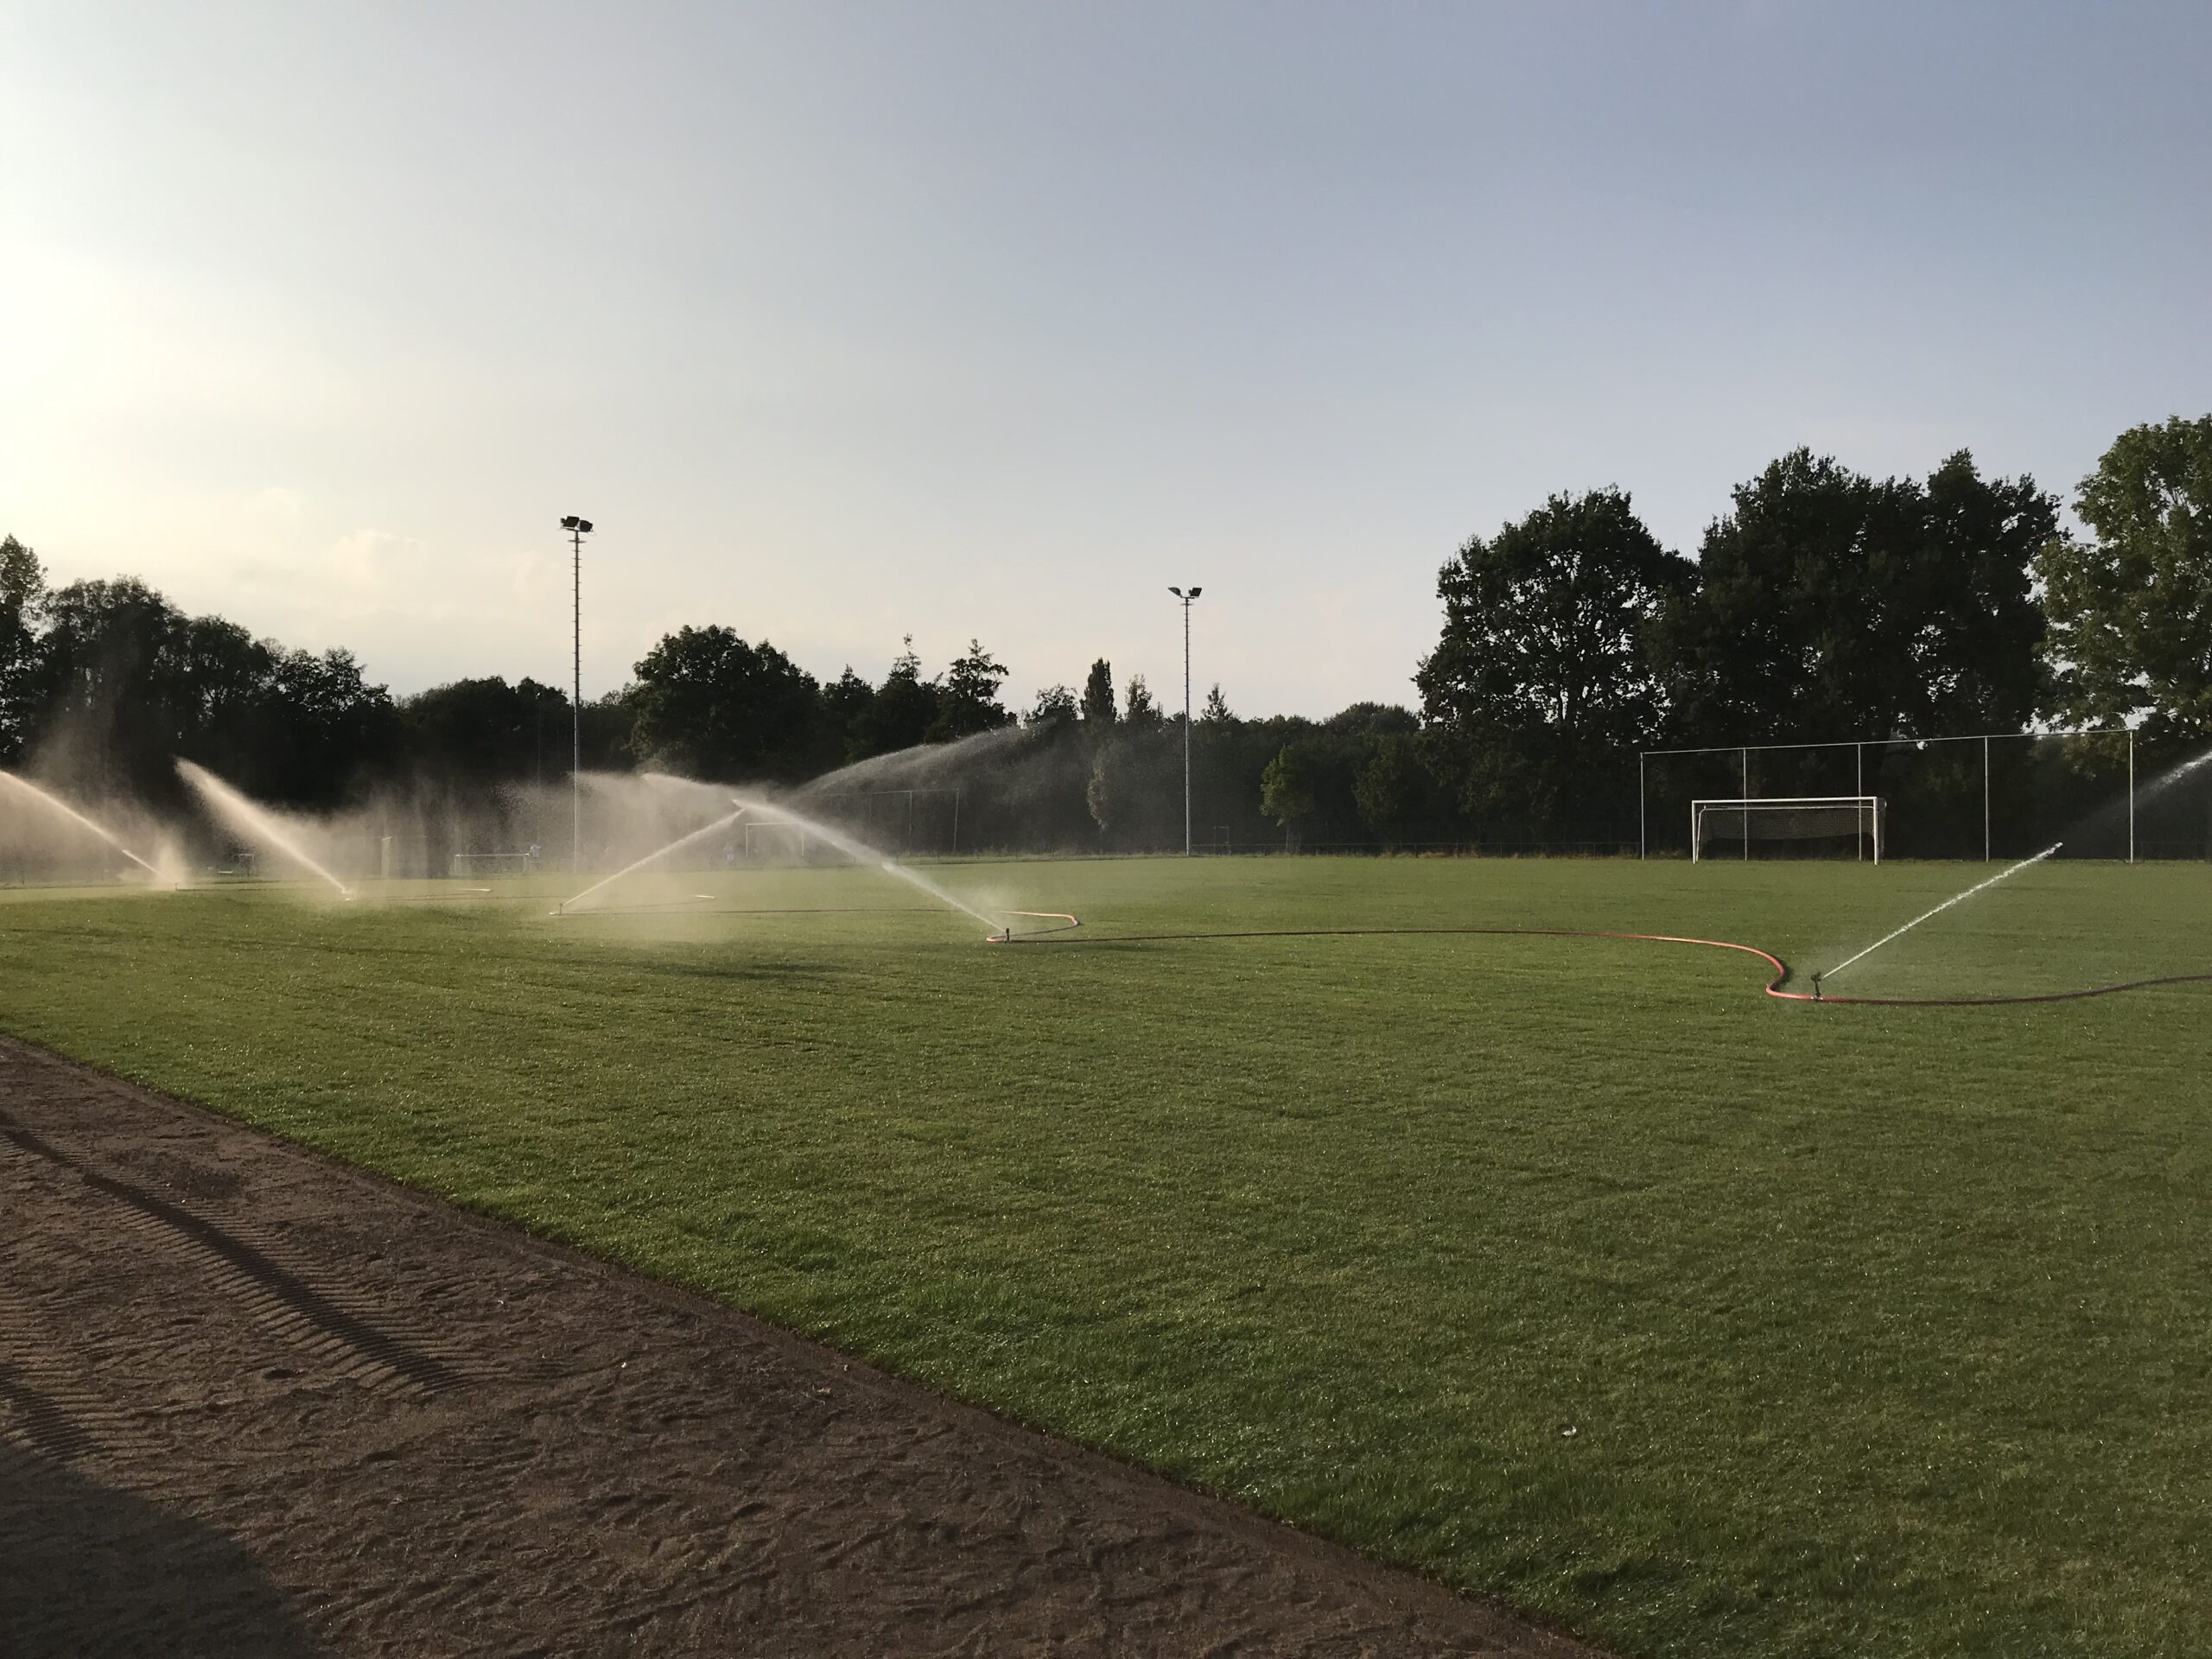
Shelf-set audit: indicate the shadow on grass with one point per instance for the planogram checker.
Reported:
(766, 973)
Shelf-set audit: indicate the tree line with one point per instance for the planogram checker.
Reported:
(1821, 604)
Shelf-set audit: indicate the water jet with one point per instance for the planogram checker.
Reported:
(762, 809)
(653, 858)
(251, 822)
(1955, 898)
(78, 818)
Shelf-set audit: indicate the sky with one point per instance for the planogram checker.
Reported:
(845, 323)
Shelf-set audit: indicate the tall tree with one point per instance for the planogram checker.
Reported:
(968, 701)
(1540, 678)
(904, 707)
(1394, 791)
(1831, 606)
(1138, 711)
(1372, 720)
(2130, 611)
(113, 708)
(1977, 652)
(708, 703)
(125, 683)
(1055, 710)
(23, 591)
(327, 723)
(485, 731)
(1287, 793)
(1098, 695)
(1107, 790)
(849, 704)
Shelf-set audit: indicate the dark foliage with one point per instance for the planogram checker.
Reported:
(2131, 610)
(1543, 677)
(1832, 606)
(709, 705)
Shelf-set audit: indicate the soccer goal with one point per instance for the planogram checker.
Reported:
(1837, 825)
(471, 865)
(775, 843)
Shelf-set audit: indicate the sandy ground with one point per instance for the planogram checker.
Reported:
(252, 1401)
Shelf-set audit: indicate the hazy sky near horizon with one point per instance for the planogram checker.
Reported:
(849, 322)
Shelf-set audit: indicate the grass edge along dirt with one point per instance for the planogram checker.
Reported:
(1875, 1328)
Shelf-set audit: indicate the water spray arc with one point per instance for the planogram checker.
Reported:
(653, 858)
(2165, 781)
(1955, 898)
(70, 812)
(860, 853)
(252, 822)
(769, 811)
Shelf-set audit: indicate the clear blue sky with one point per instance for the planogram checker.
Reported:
(847, 321)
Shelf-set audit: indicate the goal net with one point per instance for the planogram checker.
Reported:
(1801, 825)
(481, 864)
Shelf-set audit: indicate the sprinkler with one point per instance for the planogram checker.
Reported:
(1817, 988)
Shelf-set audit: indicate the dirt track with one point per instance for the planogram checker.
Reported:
(252, 1402)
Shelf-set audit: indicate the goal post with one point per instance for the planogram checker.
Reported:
(1718, 825)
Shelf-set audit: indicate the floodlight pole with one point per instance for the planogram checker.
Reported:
(1189, 851)
(577, 528)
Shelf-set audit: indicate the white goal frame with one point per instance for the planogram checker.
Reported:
(795, 848)
(468, 864)
(1871, 809)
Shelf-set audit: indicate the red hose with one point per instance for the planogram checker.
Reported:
(1773, 986)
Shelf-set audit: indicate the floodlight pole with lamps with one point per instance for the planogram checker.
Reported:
(577, 529)
(1188, 851)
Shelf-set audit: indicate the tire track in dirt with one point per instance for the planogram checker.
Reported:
(47, 1407)
(343, 1330)
(38, 1422)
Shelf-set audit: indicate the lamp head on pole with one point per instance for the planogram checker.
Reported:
(580, 526)
(1178, 592)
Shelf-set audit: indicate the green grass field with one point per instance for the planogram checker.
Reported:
(1876, 1331)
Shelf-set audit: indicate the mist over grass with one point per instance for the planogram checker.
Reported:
(1878, 1331)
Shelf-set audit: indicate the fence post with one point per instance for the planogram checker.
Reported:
(1641, 839)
